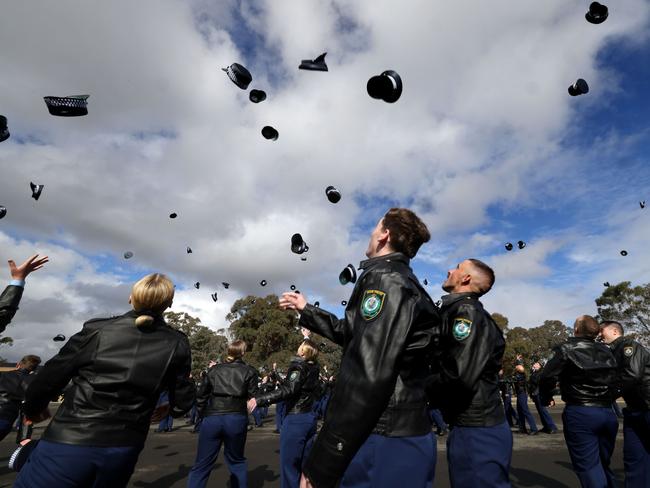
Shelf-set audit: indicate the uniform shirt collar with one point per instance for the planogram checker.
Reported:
(395, 256)
(455, 297)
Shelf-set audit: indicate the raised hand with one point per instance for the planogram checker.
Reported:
(292, 301)
(32, 264)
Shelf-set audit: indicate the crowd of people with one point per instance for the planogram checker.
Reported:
(407, 362)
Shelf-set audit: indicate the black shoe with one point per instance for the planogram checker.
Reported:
(533, 432)
(441, 433)
(276, 431)
(160, 431)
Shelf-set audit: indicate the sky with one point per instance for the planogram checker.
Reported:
(485, 145)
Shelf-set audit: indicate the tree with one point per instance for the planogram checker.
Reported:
(501, 320)
(5, 341)
(628, 305)
(534, 344)
(206, 344)
(273, 335)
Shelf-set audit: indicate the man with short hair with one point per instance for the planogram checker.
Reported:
(586, 371)
(377, 432)
(634, 382)
(10, 297)
(13, 385)
(465, 382)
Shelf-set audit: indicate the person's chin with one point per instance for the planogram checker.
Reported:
(448, 288)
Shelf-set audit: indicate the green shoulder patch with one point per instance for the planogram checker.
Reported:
(461, 328)
(293, 375)
(372, 303)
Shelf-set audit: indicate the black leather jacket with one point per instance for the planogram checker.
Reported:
(118, 371)
(386, 336)
(300, 389)
(533, 382)
(586, 370)
(633, 372)
(465, 383)
(226, 388)
(12, 392)
(9, 301)
(519, 382)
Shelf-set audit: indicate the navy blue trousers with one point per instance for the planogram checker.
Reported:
(166, 424)
(524, 413)
(590, 434)
(297, 431)
(229, 430)
(511, 413)
(636, 448)
(257, 415)
(389, 462)
(545, 417)
(279, 415)
(6, 426)
(56, 465)
(479, 457)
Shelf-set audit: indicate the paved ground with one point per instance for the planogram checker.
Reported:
(538, 461)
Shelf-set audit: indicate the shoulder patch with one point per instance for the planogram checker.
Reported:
(461, 328)
(372, 303)
(293, 375)
(628, 351)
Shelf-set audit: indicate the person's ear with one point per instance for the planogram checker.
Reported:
(466, 279)
(384, 236)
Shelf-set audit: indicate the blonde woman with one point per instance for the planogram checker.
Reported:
(118, 368)
(300, 390)
(221, 401)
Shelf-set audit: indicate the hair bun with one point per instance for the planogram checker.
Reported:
(144, 321)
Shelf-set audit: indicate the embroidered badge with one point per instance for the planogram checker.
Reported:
(628, 351)
(293, 376)
(339, 447)
(461, 329)
(372, 303)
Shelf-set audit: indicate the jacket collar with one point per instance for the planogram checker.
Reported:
(580, 339)
(447, 300)
(395, 256)
(616, 342)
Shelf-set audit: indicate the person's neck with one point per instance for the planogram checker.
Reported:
(384, 251)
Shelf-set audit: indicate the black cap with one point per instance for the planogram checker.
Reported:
(20, 456)
(303, 258)
(189, 250)
(173, 215)
(508, 246)
(263, 283)
(298, 292)
(386, 86)
(580, 87)
(72, 106)
(36, 190)
(426, 282)
(521, 244)
(257, 96)
(298, 245)
(197, 285)
(128, 255)
(606, 284)
(293, 287)
(317, 64)
(225, 285)
(623, 252)
(59, 338)
(597, 13)
(333, 195)
(642, 204)
(316, 304)
(3, 211)
(344, 303)
(348, 275)
(4, 130)
(270, 133)
(214, 296)
(239, 75)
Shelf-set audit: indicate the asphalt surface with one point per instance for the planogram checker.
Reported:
(538, 461)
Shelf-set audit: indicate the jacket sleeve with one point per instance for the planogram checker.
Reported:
(58, 371)
(549, 376)
(203, 393)
(181, 387)
(252, 381)
(633, 367)
(9, 301)
(367, 377)
(461, 365)
(324, 323)
(290, 387)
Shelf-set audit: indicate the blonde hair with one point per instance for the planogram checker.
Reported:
(151, 295)
(308, 350)
(236, 350)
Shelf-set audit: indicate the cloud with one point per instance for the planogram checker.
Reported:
(478, 136)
